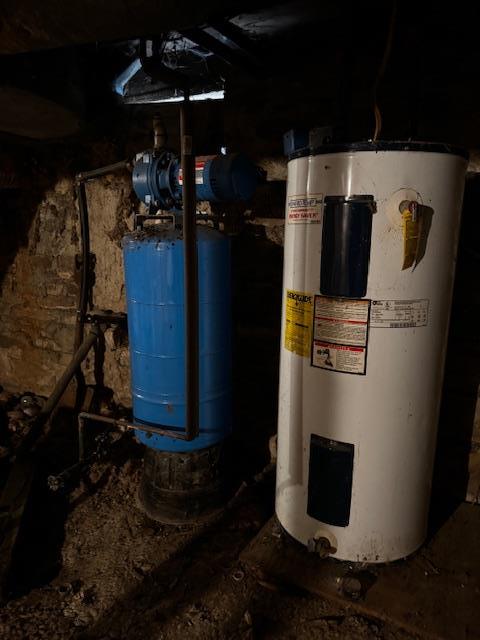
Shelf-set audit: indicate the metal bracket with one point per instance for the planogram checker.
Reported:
(141, 218)
(107, 318)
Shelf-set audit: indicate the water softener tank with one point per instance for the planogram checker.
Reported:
(370, 242)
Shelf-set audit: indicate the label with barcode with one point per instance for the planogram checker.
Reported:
(398, 314)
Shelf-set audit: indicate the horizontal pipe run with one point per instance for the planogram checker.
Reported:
(59, 481)
(121, 425)
(84, 176)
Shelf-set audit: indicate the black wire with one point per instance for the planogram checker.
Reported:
(381, 70)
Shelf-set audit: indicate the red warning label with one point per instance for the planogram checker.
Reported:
(304, 208)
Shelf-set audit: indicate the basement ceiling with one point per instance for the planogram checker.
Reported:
(61, 61)
(29, 25)
(64, 64)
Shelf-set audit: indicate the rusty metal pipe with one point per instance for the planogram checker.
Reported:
(190, 272)
(86, 266)
(85, 278)
(121, 425)
(42, 418)
(159, 133)
(77, 359)
(84, 176)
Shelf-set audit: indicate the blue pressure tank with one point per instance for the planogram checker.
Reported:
(182, 481)
(154, 278)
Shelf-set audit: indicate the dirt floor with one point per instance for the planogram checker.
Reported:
(93, 566)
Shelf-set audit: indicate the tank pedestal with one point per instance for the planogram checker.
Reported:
(184, 488)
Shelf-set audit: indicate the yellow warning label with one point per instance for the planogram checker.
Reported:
(411, 234)
(298, 322)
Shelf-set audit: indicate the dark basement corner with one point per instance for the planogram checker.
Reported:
(220, 222)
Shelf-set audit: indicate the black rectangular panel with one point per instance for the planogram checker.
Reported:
(330, 480)
(346, 238)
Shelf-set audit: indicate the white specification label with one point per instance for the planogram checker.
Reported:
(341, 320)
(340, 334)
(339, 357)
(199, 169)
(399, 314)
(304, 208)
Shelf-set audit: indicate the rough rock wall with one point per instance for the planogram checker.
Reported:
(38, 296)
(39, 288)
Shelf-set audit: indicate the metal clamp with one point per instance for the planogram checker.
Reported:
(141, 218)
(107, 318)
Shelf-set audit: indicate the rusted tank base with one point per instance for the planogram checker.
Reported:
(184, 488)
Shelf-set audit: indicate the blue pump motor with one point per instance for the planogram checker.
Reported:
(157, 178)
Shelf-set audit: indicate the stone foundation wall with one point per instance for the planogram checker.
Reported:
(39, 288)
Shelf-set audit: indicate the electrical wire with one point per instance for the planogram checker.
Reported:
(381, 71)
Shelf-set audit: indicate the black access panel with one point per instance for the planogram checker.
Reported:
(330, 480)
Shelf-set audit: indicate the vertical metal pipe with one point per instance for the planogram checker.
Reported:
(81, 438)
(85, 265)
(86, 275)
(190, 271)
(159, 133)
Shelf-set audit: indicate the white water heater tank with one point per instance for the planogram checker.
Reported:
(370, 244)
